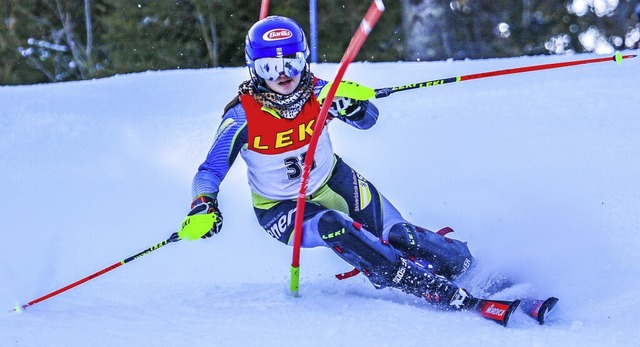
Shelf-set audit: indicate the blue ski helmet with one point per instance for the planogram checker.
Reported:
(276, 37)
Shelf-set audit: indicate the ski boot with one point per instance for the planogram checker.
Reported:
(444, 256)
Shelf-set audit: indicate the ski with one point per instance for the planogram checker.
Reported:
(498, 311)
(538, 309)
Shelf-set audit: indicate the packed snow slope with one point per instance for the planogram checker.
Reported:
(539, 172)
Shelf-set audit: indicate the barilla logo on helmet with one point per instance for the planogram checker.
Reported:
(277, 34)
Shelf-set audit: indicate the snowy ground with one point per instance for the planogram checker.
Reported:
(539, 172)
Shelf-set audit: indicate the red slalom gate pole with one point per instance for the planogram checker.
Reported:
(19, 308)
(264, 9)
(366, 25)
(384, 92)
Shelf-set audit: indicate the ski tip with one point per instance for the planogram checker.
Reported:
(514, 305)
(546, 308)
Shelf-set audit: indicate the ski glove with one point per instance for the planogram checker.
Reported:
(346, 108)
(203, 221)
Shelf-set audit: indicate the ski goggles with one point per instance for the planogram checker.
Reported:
(271, 68)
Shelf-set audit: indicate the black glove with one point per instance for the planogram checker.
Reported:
(204, 220)
(346, 108)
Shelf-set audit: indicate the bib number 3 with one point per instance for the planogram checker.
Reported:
(294, 166)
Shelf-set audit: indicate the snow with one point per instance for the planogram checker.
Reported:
(539, 172)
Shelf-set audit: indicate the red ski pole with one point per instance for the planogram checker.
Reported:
(367, 23)
(174, 238)
(384, 92)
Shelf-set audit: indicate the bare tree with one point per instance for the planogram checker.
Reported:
(423, 23)
(207, 22)
(78, 52)
(89, 30)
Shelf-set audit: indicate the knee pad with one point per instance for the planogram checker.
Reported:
(446, 257)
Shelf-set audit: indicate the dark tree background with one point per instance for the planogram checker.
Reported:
(63, 40)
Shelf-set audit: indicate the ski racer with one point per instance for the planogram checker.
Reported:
(270, 124)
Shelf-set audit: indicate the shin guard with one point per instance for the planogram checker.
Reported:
(384, 266)
(448, 257)
(376, 259)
